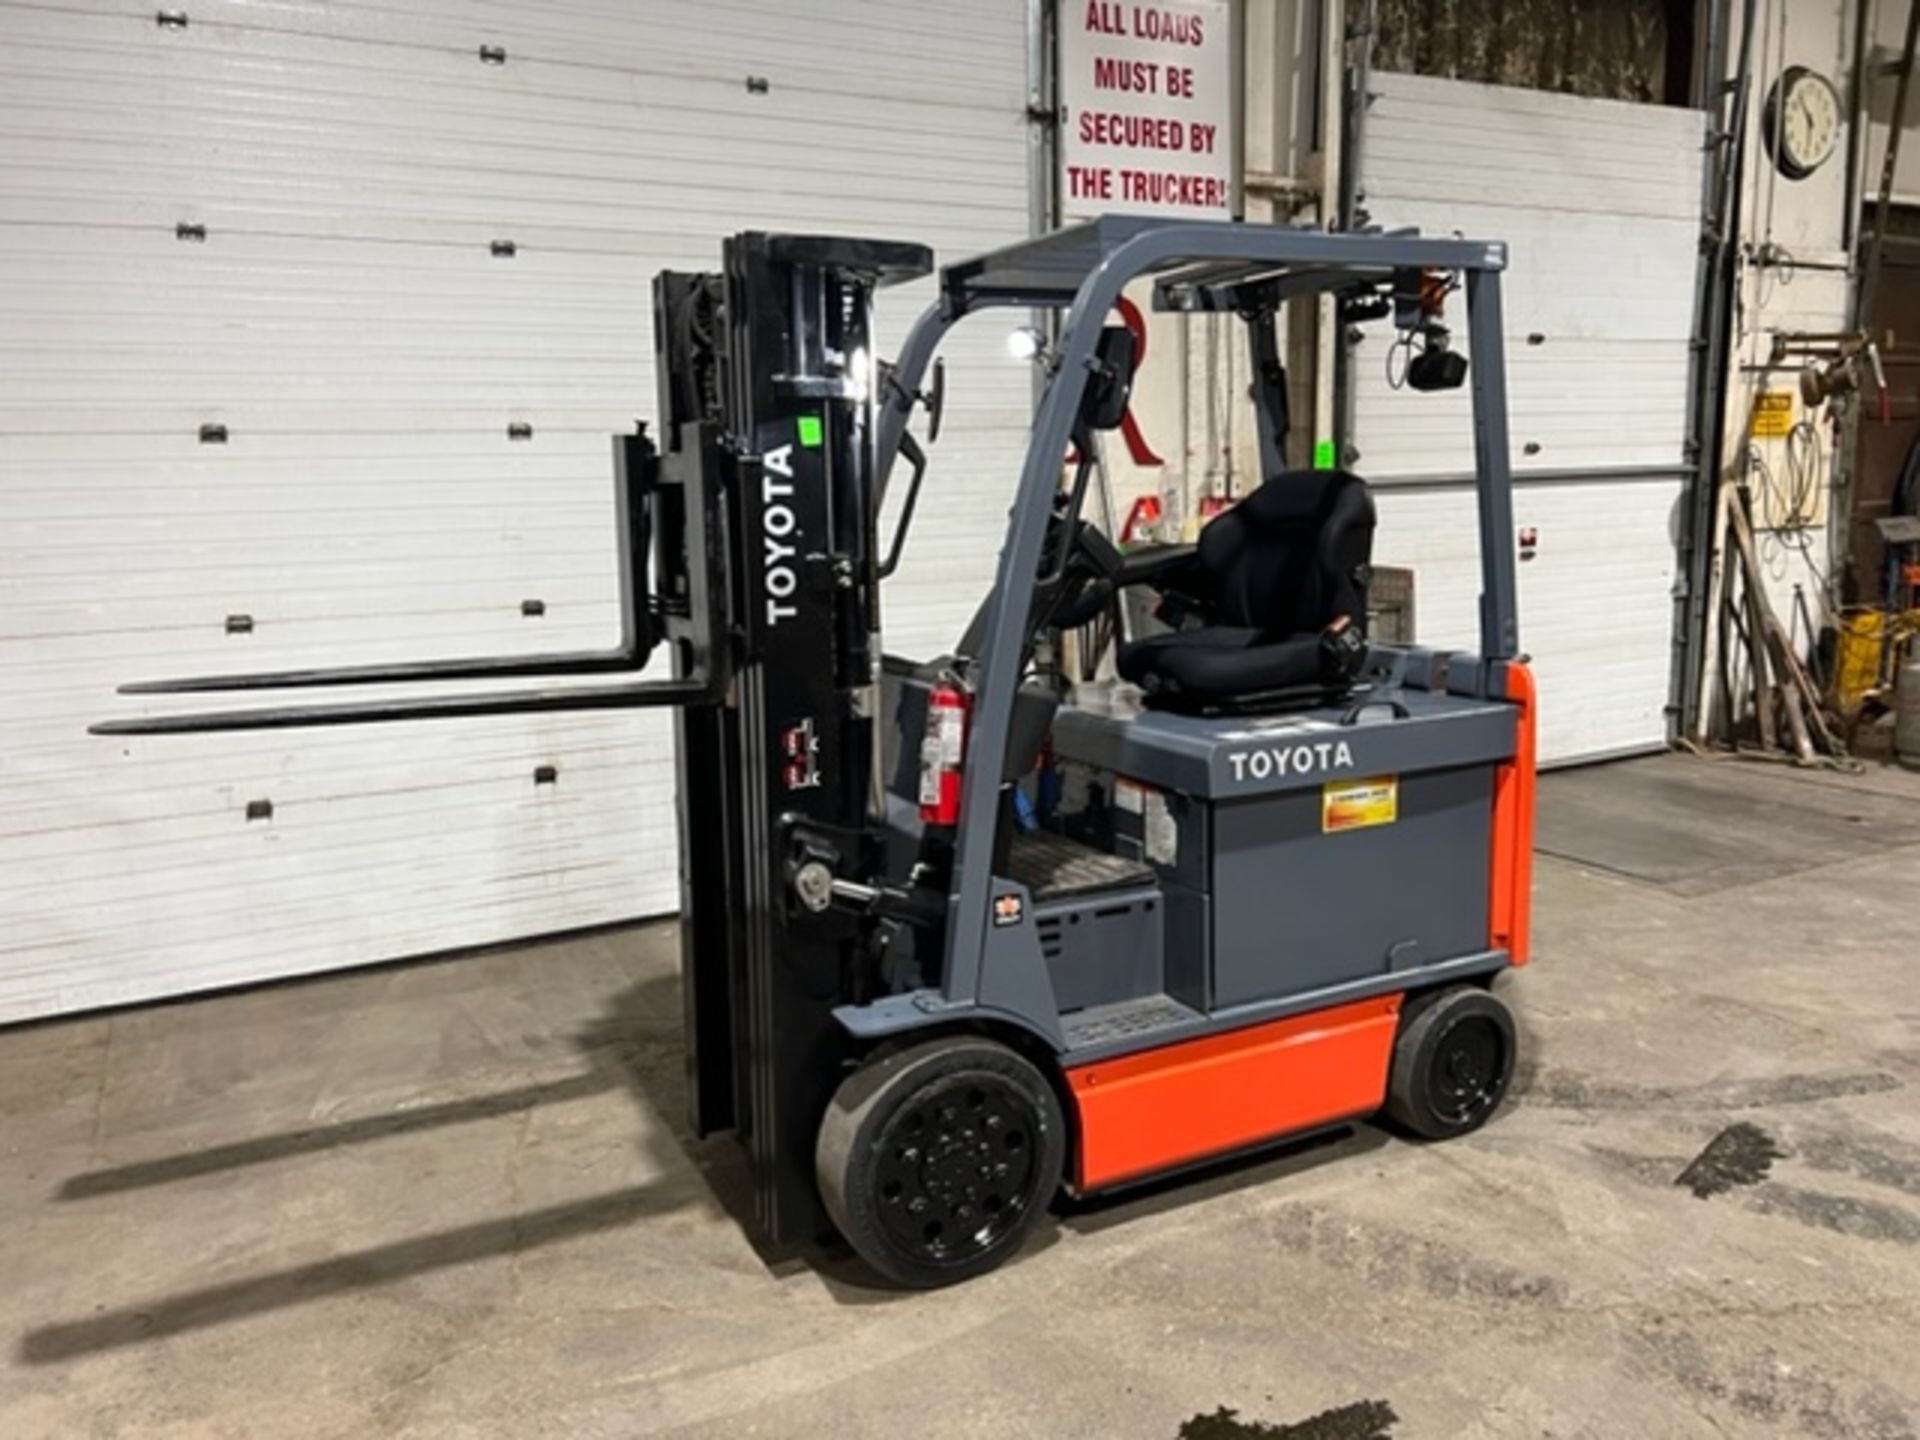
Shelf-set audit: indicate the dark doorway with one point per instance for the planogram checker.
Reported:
(1882, 450)
(1638, 50)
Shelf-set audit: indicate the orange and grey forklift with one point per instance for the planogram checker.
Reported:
(958, 932)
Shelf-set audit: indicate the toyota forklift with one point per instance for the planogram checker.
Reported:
(962, 932)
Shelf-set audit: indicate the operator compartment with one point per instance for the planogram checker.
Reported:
(1299, 852)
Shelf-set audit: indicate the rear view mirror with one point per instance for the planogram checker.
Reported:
(936, 399)
(1104, 404)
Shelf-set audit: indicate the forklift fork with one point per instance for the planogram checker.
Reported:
(687, 608)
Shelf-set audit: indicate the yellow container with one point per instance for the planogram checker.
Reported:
(1862, 641)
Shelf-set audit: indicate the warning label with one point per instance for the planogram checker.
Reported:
(1356, 804)
(1148, 95)
(1772, 414)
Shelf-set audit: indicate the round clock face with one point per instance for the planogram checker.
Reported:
(1802, 121)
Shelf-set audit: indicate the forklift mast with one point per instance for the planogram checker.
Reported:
(779, 354)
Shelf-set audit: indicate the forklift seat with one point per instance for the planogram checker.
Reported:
(1271, 576)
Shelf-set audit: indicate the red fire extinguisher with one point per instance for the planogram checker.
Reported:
(941, 748)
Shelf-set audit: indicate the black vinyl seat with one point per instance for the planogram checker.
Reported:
(1270, 576)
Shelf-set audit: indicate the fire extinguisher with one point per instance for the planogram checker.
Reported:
(941, 749)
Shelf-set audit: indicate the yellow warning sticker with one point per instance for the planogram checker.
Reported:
(1356, 804)
(1772, 414)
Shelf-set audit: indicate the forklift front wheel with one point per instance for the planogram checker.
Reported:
(1452, 1060)
(936, 1160)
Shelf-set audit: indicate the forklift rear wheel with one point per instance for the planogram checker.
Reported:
(1452, 1060)
(935, 1161)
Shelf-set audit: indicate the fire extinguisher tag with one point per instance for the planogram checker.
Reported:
(940, 750)
(930, 770)
(949, 735)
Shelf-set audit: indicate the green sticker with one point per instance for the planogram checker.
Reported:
(810, 430)
(1323, 455)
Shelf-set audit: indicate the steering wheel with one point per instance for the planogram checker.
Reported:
(1079, 588)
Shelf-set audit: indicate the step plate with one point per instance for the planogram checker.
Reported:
(1125, 1020)
(1052, 866)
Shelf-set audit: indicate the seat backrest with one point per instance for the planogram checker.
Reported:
(1294, 554)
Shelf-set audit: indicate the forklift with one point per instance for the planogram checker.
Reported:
(961, 933)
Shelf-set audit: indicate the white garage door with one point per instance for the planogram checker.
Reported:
(1599, 202)
(366, 238)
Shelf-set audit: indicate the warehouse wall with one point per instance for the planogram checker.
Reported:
(1803, 223)
(316, 318)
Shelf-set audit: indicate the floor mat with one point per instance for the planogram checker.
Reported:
(1696, 826)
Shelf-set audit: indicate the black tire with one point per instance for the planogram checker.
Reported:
(1452, 1062)
(936, 1160)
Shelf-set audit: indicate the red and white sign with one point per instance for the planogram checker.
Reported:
(1148, 95)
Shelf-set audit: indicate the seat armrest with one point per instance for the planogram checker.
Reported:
(1156, 565)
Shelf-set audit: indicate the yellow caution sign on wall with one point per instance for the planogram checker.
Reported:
(1772, 414)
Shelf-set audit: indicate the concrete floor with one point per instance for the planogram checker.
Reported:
(456, 1199)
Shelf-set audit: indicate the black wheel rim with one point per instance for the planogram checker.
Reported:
(1468, 1071)
(958, 1168)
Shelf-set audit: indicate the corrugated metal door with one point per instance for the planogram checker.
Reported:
(315, 319)
(1599, 202)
